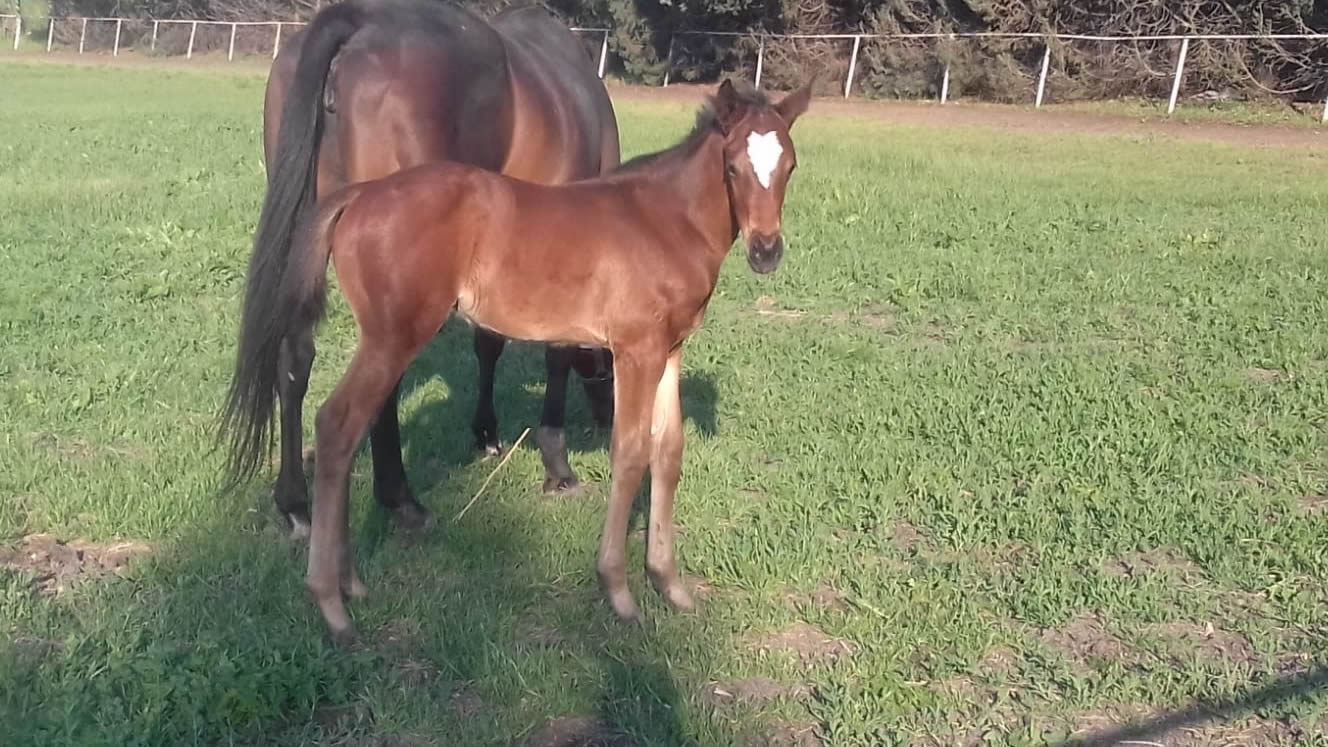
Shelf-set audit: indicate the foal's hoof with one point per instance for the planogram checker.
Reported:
(346, 640)
(412, 517)
(625, 607)
(674, 591)
(565, 486)
(354, 588)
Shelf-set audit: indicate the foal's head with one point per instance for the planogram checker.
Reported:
(758, 161)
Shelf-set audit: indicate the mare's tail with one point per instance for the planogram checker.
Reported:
(281, 293)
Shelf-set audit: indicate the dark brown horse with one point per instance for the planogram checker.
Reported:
(371, 87)
(627, 262)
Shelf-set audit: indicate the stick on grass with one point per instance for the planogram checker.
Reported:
(509, 454)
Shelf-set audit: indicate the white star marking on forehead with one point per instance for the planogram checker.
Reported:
(764, 150)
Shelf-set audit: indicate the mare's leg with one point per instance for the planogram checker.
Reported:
(596, 369)
(551, 435)
(636, 377)
(390, 485)
(292, 492)
(338, 428)
(484, 425)
(666, 441)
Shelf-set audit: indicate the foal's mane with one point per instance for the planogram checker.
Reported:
(745, 96)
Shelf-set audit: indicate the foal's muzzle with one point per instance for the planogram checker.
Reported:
(764, 252)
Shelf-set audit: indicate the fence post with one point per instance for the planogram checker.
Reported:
(1180, 71)
(1042, 77)
(852, 66)
(82, 34)
(18, 29)
(1325, 109)
(603, 53)
(276, 41)
(945, 80)
(668, 62)
(193, 29)
(230, 48)
(153, 46)
(50, 34)
(760, 60)
(115, 51)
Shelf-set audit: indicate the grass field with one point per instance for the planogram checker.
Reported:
(1024, 439)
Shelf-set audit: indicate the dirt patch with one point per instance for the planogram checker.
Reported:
(466, 703)
(1139, 725)
(1263, 375)
(1001, 661)
(1159, 559)
(1208, 643)
(575, 731)
(540, 635)
(1313, 505)
(59, 565)
(905, 537)
(809, 643)
(753, 690)
(1006, 558)
(766, 306)
(80, 449)
(786, 734)
(824, 597)
(1086, 640)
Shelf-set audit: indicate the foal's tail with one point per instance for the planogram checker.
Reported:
(293, 304)
(274, 272)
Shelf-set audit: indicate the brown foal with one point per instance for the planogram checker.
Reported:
(626, 261)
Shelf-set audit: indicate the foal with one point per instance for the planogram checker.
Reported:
(626, 262)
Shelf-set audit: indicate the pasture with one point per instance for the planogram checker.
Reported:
(1024, 439)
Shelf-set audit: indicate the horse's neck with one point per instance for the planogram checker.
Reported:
(695, 183)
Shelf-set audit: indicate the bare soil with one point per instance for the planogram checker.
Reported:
(59, 565)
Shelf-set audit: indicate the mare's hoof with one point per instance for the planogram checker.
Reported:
(412, 517)
(564, 486)
(297, 525)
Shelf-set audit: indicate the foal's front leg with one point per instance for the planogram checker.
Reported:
(666, 441)
(636, 376)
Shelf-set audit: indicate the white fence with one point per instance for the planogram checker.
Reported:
(275, 28)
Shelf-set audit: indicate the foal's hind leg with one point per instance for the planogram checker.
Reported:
(291, 493)
(488, 346)
(338, 428)
(390, 485)
(551, 436)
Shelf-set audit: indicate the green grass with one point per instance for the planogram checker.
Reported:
(996, 370)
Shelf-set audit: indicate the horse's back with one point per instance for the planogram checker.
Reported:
(562, 81)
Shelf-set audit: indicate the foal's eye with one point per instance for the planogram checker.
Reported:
(733, 170)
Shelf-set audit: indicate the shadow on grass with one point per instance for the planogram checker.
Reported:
(475, 632)
(1279, 691)
(436, 438)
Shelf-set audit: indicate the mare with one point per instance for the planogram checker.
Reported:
(371, 87)
(626, 262)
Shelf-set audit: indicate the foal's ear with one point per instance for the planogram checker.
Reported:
(793, 105)
(726, 105)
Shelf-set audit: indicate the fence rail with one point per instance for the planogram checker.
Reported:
(760, 37)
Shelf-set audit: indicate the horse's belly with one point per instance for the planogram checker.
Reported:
(516, 323)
